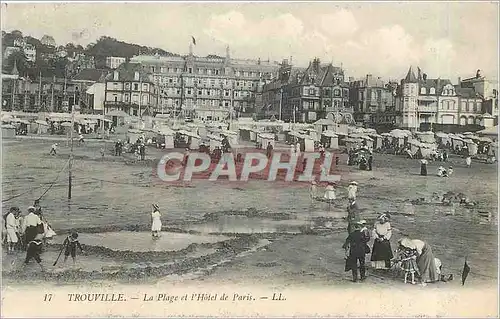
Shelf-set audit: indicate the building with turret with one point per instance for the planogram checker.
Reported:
(306, 95)
(425, 103)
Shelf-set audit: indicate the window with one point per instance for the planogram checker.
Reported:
(189, 91)
(178, 91)
(136, 87)
(312, 92)
(199, 92)
(190, 70)
(216, 72)
(336, 92)
(170, 80)
(423, 91)
(432, 91)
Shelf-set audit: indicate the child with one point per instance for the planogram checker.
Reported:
(409, 263)
(53, 149)
(155, 221)
(34, 250)
(71, 242)
(313, 190)
(450, 170)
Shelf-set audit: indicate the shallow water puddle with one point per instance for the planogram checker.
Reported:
(143, 242)
(234, 224)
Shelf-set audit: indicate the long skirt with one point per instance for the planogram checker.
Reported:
(423, 169)
(382, 254)
(30, 233)
(427, 265)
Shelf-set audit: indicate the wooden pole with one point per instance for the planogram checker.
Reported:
(70, 177)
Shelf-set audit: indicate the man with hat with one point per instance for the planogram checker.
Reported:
(11, 228)
(355, 246)
(32, 225)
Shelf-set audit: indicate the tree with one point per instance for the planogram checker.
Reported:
(17, 58)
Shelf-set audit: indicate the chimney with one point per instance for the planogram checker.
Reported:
(459, 80)
(424, 76)
(316, 63)
(368, 78)
(136, 76)
(115, 75)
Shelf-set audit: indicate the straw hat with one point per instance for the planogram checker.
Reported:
(39, 236)
(14, 209)
(31, 209)
(156, 207)
(382, 216)
(407, 242)
(362, 222)
(314, 183)
(353, 183)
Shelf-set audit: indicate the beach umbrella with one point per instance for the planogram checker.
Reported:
(485, 139)
(465, 272)
(41, 122)
(66, 124)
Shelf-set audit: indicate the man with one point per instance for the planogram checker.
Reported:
(142, 151)
(352, 215)
(370, 162)
(355, 247)
(11, 228)
(53, 149)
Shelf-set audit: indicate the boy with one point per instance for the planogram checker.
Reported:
(34, 250)
(71, 242)
(355, 246)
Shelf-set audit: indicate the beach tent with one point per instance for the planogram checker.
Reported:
(193, 139)
(331, 139)
(8, 131)
(133, 135)
(232, 137)
(168, 135)
(215, 141)
(265, 138)
(490, 131)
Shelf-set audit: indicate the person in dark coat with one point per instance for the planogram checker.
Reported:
(370, 162)
(355, 246)
(142, 151)
(352, 215)
(34, 250)
(269, 150)
(423, 167)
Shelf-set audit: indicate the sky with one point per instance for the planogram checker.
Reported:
(445, 39)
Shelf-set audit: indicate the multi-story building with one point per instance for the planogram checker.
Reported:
(28, 49)
(373, 101)
(130, 89)
(423, 102)
(486, 89)
(306, 95)
(114, 62)
(206, 87)
(44, 93)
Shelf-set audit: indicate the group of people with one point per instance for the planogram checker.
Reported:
(414, 256)
(29, 233)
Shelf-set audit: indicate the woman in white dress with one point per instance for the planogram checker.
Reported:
(155, 221)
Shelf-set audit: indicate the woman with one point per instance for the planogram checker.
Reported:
(381, 251)
(425, 259)
(155, 221)
(330, 192)
(468, 161)
(32, 225)
(423, 167)
(352, 190)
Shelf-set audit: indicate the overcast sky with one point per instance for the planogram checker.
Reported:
(444, 39)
